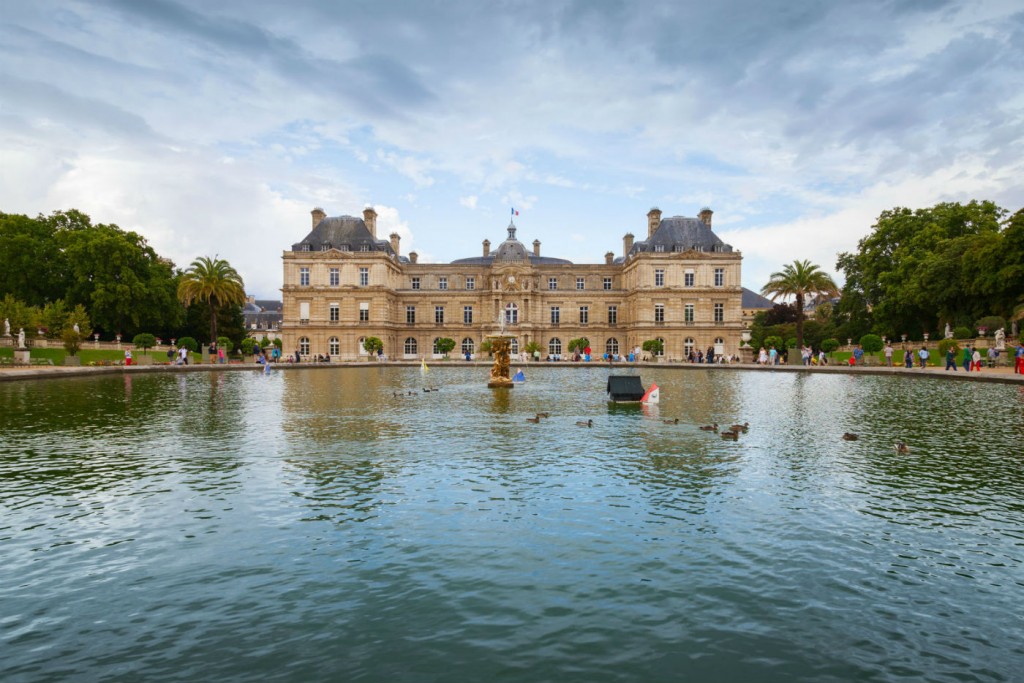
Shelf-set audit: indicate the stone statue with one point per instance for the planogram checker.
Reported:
(949, 332)
(75, 328)
(21, 337)
(7, 327)
(1000, 339)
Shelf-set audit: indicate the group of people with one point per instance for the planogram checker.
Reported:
(971, 358)
(772, 356)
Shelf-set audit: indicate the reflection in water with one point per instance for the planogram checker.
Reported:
(327, 523)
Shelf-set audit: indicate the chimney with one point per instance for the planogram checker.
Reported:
(370, 218)
(653, 221)
(627, 244)
(487, 248)
(395, 239)
(536, 247)
(318, 215)
(413, 256)
(705, 216)
(609, 257)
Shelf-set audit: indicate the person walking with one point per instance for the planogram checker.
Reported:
(951, 358)
(966, 359)
(888, 354)
(183, 355)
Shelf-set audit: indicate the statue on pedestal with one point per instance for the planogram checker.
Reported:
(1000, 339)
(21, 337)
(949, 332)
(7, 327)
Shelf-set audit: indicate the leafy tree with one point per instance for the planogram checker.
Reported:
(486, 346)
(652, 346)
(991, 323)
(444, 345)
(144, 341)
(265, 342)
(779, 314)
(189, 343)
(375, 344)
(799, 279)
(871, 343)
(226, 344)
(230, 322)
(248, 346)
(215, 282)
(279, 343)
(31, 262)
(775, 341)
(578, 344)
(829, 345)
(72, 340)
(20, 315)
(963, 332)
(54, 318)
(532, 347)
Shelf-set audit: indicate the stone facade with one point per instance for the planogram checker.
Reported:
(342, 284)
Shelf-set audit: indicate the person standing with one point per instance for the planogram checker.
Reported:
(220, 355)
(1018, 367)
(966, 359)
(858, 355)
(923, 356)
(950, 358)
(183, 355)
(908, 358)
(888, 354)
(127, 356)
(976, 360)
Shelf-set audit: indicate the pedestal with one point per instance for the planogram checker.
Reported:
(22, 357)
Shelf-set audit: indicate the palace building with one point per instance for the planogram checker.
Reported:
(343, 284)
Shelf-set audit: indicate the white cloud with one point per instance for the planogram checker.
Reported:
(468, 202)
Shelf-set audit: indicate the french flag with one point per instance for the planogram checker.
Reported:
(514, 212)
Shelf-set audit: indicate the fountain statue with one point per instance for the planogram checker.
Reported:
(1000, 340)
(21, 338)
(948, 332)
(501, 347)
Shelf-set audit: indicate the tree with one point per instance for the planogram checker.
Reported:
(373, 345)
(31, 262)
(444, 345)
(653, 346)
(144, 341)
(578, 344)
(532, 348)
(871, 343)
(215, 282)
(799, 279)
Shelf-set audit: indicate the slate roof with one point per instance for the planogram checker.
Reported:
(510, 251)
(681, 233)
(347, 233)
(752, 299)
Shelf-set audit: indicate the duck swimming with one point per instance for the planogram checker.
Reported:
(730, 434)
(850, 437)
(710, 427)
(534, 420)
(901, 447)
(671, 422)
(543, 414)
(581, 423)
(740, 428)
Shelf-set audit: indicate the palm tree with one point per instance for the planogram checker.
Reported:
(801, 279)
(213, 281)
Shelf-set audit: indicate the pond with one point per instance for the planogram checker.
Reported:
(313, 525)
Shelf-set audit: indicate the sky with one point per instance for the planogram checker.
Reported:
(213, 129)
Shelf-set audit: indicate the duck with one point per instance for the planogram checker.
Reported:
(901, 447)
(411, 393)
(543, 414)
(740, 428)
(534, 420)
(582, 423)
(848, 436)
(710, 428)
(674, 421)
(730, 434)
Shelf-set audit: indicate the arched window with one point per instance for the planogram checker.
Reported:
(511, 316)
(555, 347)
(611, 347)
(468, 346)
(304, 346)
(362, 349)
(333, 346)
(410, 346)
(688, 346)
(719, 346)
(662, 352)
(514, 344)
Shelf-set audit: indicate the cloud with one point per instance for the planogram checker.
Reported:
(468, 202)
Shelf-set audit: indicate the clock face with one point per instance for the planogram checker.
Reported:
(511, 279)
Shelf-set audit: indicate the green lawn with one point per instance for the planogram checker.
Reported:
(91, 355)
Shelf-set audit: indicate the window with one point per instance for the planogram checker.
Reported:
(410, 315)
(584, 315)
(659, 277)
(580, 283)
(659, 248)
(607, 283)
(439, 315)
(662, 352)
(613, 315)
(442, 283)
(304, 247)
(410, 346)
(437, 349)
(304, 346)
(511, 314)
(556, 315)
(415, 283)
(688, 346)
(719, 277)
(611, 347)
(555, 347)
(333, 346)
(514, 346)
(364, 277)
(688, 313)
(719, 313)
(364, 311)
(334, 313)
(688, 278)
(470, 282)
(304, 311)
(364, 247)
(659, 313)
(304, 277)
(552, 283)
(361, 345)
(335, 277)
(468, 346)
(325, 247)
(467, 315)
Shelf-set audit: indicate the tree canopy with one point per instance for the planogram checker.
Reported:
(800, 280)
(215, 282)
